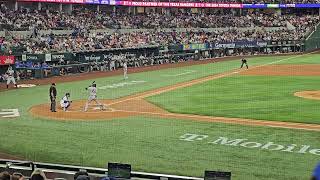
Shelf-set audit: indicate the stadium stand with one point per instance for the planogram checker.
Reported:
(90, 38)
(256, 26)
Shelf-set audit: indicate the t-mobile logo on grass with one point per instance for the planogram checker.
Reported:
(271, 146)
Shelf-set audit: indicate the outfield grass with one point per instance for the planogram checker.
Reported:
(303, 59)
(151, 144)
(24, 98)
(255, 97)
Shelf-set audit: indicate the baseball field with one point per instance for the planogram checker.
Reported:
(259, 123)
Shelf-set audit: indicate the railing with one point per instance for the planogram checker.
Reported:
(313, 40)
(67, 171)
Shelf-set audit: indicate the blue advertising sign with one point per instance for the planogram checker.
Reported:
(255, 6)
(93, 1)
(238, 44)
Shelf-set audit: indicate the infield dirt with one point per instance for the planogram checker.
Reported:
(135, 105)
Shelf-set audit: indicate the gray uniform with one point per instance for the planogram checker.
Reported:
(125, 70)
(93, 97)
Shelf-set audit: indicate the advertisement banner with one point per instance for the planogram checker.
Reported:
(239, 44)
(33, 57)
(92, 1)
(62, 56)
(7, 60)
(48, 57)
(91, 57)
(223, 45)
(187, 47)
(55, 1)
(178, 4)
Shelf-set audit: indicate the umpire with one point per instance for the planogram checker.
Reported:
(53, 95)
(244, 62)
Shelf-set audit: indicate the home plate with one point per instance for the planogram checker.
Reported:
(106, 108)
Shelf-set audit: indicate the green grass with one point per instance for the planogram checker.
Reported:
(255, 97)
(304, 59)
(151, 144)
(24, 98)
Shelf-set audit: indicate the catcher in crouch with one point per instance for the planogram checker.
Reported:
(65, 102)
(93, 97)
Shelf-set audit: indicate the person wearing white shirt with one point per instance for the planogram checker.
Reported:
(93, 97)
(65, 102)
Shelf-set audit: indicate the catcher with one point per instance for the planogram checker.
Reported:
(65, 102)
(93, 97)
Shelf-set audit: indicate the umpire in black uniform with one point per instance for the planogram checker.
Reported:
(53, 95)
(244, 62)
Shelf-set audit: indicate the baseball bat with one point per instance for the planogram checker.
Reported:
(91, 84)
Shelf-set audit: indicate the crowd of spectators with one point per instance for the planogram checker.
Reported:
(38, 174)
(52, 20)
(95, 41)
(255, 26)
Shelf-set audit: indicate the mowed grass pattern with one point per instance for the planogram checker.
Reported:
(254, 97)
(152, 144)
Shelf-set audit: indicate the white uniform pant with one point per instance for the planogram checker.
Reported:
(90, 99)
(11, 79)
(65, 105)
(125, 73)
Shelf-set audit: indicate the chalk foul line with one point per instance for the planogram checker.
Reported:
(180, 74)
(197, 81)
(277, 124)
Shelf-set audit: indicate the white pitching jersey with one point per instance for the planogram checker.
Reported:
(92, 91)
(10, 77)
(10, 72)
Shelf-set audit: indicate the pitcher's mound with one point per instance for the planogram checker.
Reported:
(113, 109)
(308, 94)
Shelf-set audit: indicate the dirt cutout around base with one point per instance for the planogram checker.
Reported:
(75, 112)
(135, 105)
(284, 70)
(308, 94)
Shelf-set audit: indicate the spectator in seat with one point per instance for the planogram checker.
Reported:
(46, 69)
(316, 173)
(38, 175)
(5, 176)
(62, 72)
(17, 176)
(81, 175)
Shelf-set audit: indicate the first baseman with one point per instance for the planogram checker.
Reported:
(10, 77)
(244, 62)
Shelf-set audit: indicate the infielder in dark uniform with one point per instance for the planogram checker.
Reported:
(53, 95)
(244, 62)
